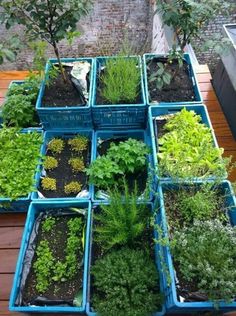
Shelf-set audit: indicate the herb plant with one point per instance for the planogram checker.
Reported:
(121, 80)
(79, 143)
(48, 224)
(49, 184)
(77, 164)
(73, 187)
(50, 163)
(126, 283)
(56, 145)
(122, 222)
(187, 150)
(20, 154)
(127, 157)
(205, 253)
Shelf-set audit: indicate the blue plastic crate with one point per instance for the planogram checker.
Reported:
(1, 120)
(89, 310)
(192, 75)
(155, 111)
(173, 305)
(112, 134)
(119, 116)
(34, 209)
(21, 204)
(64, 133)
(72, 117)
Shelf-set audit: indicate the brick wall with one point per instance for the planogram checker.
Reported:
(103, 31)
(214, 27)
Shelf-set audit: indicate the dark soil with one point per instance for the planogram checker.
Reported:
(159, 127)
(139, 178)
(61, 94)
(100, 100)
(179, 90)
(64, 174)
(57, 239)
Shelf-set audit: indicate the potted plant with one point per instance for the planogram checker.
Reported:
(49, 278)
(20, 156)
(184, 145)
(118, 95)
(66, 156)
(118, 156)
(196, 235)
(170, 78)
(122, 277)
(70, 78)
(19, 108)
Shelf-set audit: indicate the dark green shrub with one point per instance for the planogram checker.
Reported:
(126, 284)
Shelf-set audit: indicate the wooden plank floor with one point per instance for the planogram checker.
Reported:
(11, 227)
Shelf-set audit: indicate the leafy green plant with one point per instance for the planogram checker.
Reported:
(18, 111)
(122, 222)
(128, 280)
(9, 48)
(130, 155)
(79, 143)
(103, 172)
(20, 154)
(77, 164)
(43, 266)
(48, 20)
(187, 150)
(127, 157)
(56, 145)
(50, 163)
(73, 187)
(49, 184)
(205, 253)
(48, 224)
(121, 80)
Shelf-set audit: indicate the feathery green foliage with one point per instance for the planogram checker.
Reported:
(121, 80)
(121, 222)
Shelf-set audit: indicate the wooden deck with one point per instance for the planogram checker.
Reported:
(11, 227)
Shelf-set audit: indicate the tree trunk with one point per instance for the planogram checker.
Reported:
(59, 62)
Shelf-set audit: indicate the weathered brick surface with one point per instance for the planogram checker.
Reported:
(103, 31)
(214, 27)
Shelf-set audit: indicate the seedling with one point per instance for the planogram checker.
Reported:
(50, 163)
(49, 184)
(73, 187)
(56, 145)
(77, 164)
(79, 143)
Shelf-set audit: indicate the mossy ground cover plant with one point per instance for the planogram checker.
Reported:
(124, 160)
(119, 82)
(20, 155)
(64, 166)
(57, 265)
(186, 150)
(125, 279)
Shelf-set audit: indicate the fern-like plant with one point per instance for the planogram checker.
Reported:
(121, 222)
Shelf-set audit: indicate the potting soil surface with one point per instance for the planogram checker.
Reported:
(179, 90)
(64, 174)
(62, 94)
(57, 239)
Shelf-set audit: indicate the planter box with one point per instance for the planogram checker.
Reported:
(136, 134)
(119, 116)
(173, 305)
(192, 76)
(224, 79)
(34, 210)
(66, 134)
(89, 310)
(72, 117)
(1, 120)
(21, 204)
(156, 111)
